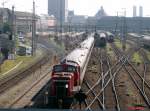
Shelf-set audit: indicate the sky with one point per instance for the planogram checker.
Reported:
(84, 7)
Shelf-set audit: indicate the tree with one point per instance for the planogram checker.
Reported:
(5, 52)
(6, 27)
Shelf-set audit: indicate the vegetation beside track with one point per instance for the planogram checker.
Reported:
(136, 58)
(21, 61)
(119, 44)
(110, 51)
(148, 54)
(59, 48)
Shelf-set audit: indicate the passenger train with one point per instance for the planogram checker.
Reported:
(67, 76)
(144, 40)
(110, 37)
(100, 39)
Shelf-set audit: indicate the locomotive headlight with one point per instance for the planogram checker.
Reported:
(66, 86)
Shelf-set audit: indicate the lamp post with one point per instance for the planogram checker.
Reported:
(124, 31)
(70, 21)
(33, 31)
(116, 26)
(13, 32)
(61, 18)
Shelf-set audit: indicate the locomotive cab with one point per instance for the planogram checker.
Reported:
(64, 78)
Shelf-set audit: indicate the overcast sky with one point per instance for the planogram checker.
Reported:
(85, 7)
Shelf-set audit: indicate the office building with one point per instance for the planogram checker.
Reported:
(59, 9)
(140, 11)
(134, 11)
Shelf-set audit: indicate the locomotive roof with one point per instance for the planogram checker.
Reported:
(109, 33)
(102, 35)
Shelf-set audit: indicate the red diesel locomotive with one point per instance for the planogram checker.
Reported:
(67, 76)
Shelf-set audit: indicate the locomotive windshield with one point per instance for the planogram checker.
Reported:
(67, 68)
(58, 68)
(70, 69)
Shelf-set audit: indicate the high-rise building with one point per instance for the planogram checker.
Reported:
(59, 9)
(140, 11)
(134, 11)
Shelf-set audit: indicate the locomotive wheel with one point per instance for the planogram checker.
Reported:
(53, 103)
(66, 103)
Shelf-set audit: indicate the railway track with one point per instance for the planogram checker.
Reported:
(115, 70)
(145, 60)
(103, 68)
(110, 100)
(119, 67)
(11, 80)
(36, 71)
(97, 98)
(23, 100)
(109, 76)
(116, 97)
(135, 76)
(87, 83)
(145, 73)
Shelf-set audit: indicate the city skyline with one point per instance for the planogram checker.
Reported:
(83, 7)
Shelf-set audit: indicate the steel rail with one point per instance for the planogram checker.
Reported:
(103, 79)
(115, 73)
(134, 80)
(114, 88)
(106, 74)
(29, 89)
(94, 94)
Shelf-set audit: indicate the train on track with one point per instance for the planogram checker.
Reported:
(143, 40)
(67, 76)
(110, 37)
(146, 42)
(101, 38)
